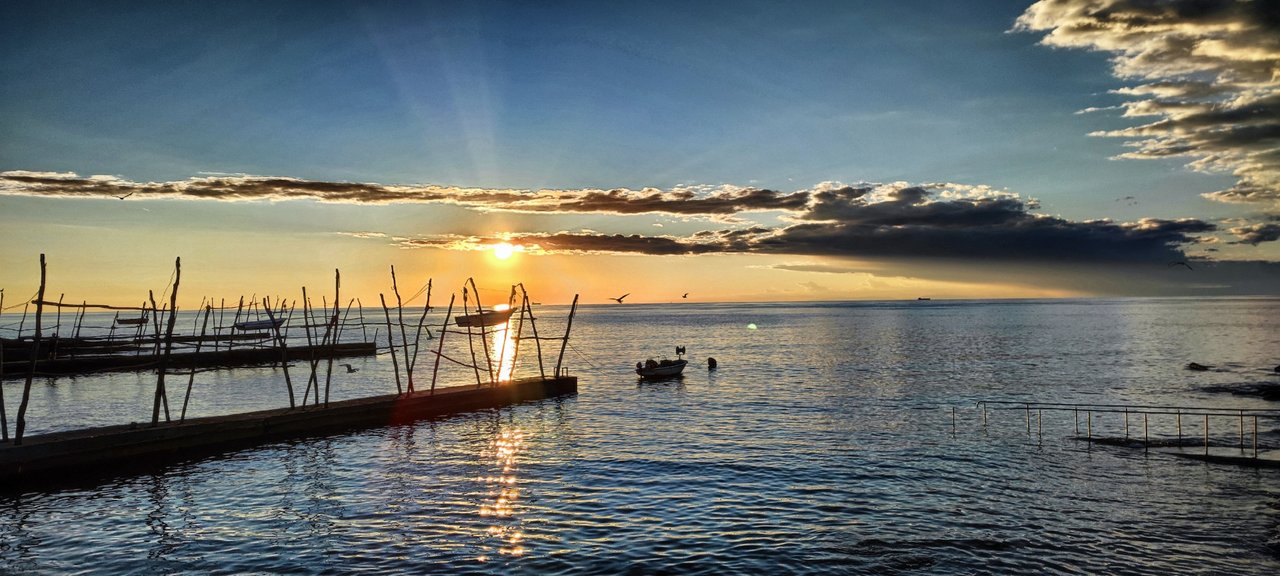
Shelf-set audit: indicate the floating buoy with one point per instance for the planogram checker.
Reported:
(711, 363)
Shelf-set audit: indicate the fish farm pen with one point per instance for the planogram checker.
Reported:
(1210, 434)
(52, 339)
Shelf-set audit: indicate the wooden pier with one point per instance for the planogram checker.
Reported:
(78, 455)
(187, 360)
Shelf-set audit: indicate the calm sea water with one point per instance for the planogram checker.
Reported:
(823, 444)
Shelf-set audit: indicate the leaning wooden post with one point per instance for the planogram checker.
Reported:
(168, 347)
(565, 342)
(537, 342)
(425, 308)
(404, 338)
(444, 329)
(475, 365)
(284, 352)
(191, 380)
(391, 341)
(21, 424)
(484, 332)
(311, 348)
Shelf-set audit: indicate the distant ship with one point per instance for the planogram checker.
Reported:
(923, 298)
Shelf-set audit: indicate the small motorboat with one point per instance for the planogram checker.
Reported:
(661, 369)
(482, 319)
(258, 324)
(664, 368)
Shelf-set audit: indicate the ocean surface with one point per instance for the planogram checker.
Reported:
(824, 443)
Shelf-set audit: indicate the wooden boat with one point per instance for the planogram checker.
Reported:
(258, 324)
(482, 319)
(131, 321)
(652, 369)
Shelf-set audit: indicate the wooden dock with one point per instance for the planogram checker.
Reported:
(185, 360)
(77, 455)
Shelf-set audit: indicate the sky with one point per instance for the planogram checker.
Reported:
(735, 151)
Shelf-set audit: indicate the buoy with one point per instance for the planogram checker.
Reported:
(711, 363)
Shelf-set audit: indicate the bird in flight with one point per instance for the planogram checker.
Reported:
(1172, 264)
(686, 295)
(619, 299)
(349, 368)
(125, 196)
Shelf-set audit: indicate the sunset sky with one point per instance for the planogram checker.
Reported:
(737, 151)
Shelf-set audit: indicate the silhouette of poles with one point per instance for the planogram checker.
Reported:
(284, 348)
(444, 329)
(404, 338)
(168, 347)
(565, 342)
(425, 308)
(21, 424)
(331, 333)
(192, 379)
(4, 417)
(391, 342)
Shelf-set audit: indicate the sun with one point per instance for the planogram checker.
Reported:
(503, 250)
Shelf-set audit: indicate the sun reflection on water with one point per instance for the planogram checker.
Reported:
(505, 493)
(503, 347)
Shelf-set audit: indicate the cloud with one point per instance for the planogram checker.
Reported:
(1208, 73)
(686, 200)
(1257, 233)
(899, 221)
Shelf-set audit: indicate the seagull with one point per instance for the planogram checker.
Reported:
(619, 299)
(686, 295)
(1172, 264)
(349, 368)
(125, 196)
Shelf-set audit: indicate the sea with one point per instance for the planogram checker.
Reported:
(832, 438)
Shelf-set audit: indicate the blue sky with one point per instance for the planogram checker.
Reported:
(580, 95)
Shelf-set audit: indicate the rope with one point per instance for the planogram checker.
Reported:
(24, 302)
(584, 357)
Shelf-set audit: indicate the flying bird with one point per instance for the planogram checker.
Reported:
(686, 295)
(619, 299)
(349, 368)
(1172, 264)
(125, 196)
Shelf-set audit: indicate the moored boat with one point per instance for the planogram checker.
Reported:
(482, 319)
(258, 324)
(661, 369)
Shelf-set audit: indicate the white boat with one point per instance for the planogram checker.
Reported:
(482, 319)
(258, 324)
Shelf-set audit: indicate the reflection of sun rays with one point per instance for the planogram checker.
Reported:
(504, 346)
(504, 449)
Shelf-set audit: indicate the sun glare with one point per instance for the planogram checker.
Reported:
(503, 250)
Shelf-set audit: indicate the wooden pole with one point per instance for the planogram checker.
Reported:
(364, 332)
(168, 347)
(155, 322)
(4, 417)
(284, 351)
(21, 424)
(192, 379)
(563, 343)
(484, 336)
(537, 342)
(80, 321)
(311, 349)
(425, 308)
(331, 334)
(444, 329)
(475, 364)
(231, 335)
(395, 364)
(404, 338)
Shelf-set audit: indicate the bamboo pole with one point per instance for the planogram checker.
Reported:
(563, 343)
(391, 341)
(284, 351)
(444, 329)
(408, 365)
(168, 347)
(192, 379)
(21, 424)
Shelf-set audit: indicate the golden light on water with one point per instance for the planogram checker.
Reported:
(504, 449)
(503, 347)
